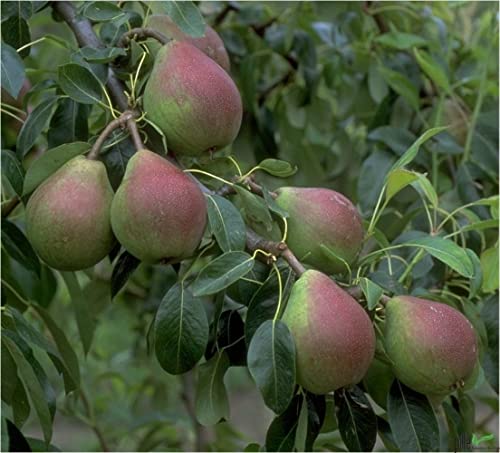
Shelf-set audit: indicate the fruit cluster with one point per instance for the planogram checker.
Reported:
(159, 214)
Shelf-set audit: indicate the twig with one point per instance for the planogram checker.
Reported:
(134, 133)
(255, 242)
(121, 121)
(93, 424)
(142, 33)
(379, 20)
(10, 205)
(186, 396)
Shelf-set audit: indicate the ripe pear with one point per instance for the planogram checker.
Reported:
(210, 44)
(432, 346)
(192, 100)
(334, 337)
(67, 217)
(323, 226)
(158, 212)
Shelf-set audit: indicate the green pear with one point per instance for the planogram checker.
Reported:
(192, 100)
(432, 346)
(324, 227)
(210, 43)
(67, 217)
(333, 335)
(158, 212)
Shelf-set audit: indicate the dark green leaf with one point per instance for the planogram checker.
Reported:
(278, 168)
(399, 40)
(357, 421)
(446, 251)
(18, 8)
(432, 69)
(372, 292)
(412, 419)
(12, 73)
(489, 265)
(226, 223)
(231, 337)
(123, 269)
(69, 123)
(222, 272)
(16, 33)
(180, 330)
(79, 83)
(35, 389)
(316, 413)
(13, 170)
(211, 403)
(412, 151)
(49, 162)
(18, 247)
(301, 434)
(84, 320)
(401, 85)
(489, 314)
(457, 437)
(186, 15)
(102, 11)
(271, 362)
(93, 55)
(17, 441)
(34, 125)
(281, 433)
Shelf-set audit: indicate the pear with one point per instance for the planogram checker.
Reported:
(324, 227)
(210, 43)
(192, 100)
(333, 335)
(158, 212)
(67, 217)
(432, 346)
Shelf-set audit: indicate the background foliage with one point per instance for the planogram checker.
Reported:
(342, 91)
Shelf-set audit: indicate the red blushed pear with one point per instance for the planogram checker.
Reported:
(67, 217)
(192, 100)
(324, 227)
(210, 44)
(158, 212)
(432, 346)
(334, 337)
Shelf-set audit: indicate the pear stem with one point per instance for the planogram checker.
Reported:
(122, 120)
(142, 33)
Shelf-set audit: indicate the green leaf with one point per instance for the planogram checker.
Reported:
(412, 419)
(425, 185)
(271, 362)
(226, 223)
(16, 33)
(34, 125)
(222, 272)
(372, 292)
(211, 403)
(412, 151)
(477, 279)
(17, 8)
(489, 265)
(18, 247)
(281, 433)
(35, 390)
(79, 83)
(301, 434)
(84, 320)
(432, 69)
(278, 168)
(106, 55)
(376, 84)
(357, 421)
(180, 330)
(456, 430)
(49, 162)
(399, 40)
(401, 85)
(13, 170)
(66, 351)
(12, 70)
(186, 15)
(446, 251)
(69, 123)
(102, 11)
(123, 269)
(255, 209)
(397, 180)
